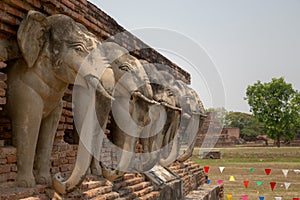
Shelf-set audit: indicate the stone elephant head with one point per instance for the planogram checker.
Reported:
(159, 137)
(126, 80)
(54, 52)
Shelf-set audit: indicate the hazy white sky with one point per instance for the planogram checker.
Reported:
(247, 40)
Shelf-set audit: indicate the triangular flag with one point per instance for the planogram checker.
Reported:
(272, 184)
(297, 171)
(231, 178)
(206, 169)
(285, 172)
(268, 171)
(208, 181)
(278, 198)
(245, 197)
(229, 196)
(221, 169)
(287, 185)
(259, 183)
(261, 197)
(295, 198)
(246, 183)
(220, 182)
(251, 170)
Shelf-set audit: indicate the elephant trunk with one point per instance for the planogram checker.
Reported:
(173, 154)
(90, 137)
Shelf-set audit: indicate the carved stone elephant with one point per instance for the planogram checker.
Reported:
(158, 138)
(53, 50)
(192, 118)
(129, 85)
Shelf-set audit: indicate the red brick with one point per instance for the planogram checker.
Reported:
(3, 161)
(12, 176)
(3, 177)
(8, 29)
(3, 84)
(2, 100)
(71, 154)
(63, 161)
(4, 169)
(71, 160)
(11, 159)
(7, 18)
(19, 4)
(12, 11)
(68, 3)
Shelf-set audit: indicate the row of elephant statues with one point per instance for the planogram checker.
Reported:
(147, 104)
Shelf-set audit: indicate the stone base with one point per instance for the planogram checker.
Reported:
(180, 181)
(206, 192)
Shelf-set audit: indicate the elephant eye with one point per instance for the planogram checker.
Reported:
(79, 48)
(126, 68)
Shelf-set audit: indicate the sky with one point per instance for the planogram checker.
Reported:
(225, 45)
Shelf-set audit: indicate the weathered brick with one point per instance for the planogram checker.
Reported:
(4, 169)
(11, 159)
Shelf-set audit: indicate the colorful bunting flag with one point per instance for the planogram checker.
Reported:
(287, 185)
(297, 171)
(295, 198)
(229, 196)
(278, 198)
(272, 184)
(231, 178)
(259, 183)
(285, 172)
(206, 169)
(268, 171)
(246, 183)
(251, 170)
(261, 197)
(245, 197)
(220, 182)
(208, 181)
(221, 169)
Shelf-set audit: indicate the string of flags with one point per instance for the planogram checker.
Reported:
(246, 183)
(245, 197)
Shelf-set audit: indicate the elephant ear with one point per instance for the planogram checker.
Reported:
(32, 36)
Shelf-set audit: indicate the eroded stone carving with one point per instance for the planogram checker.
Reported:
(57, 51)
(53, 49)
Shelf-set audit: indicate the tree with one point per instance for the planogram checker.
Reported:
(277, 105)
(247, 123)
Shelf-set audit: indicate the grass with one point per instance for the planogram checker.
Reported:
(237, 163)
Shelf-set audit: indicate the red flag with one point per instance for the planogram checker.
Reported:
(268, 171)
(246, 183)
(272, 185)
(295, 198)
(206, 169)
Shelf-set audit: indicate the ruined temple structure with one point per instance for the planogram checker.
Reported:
(176, 181)
(212, 133)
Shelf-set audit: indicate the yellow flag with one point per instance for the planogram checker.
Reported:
(231, 178)
(229, 196)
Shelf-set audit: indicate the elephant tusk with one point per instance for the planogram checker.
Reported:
(143, 97)
(171, 107)
(198, 113)
(96, 83)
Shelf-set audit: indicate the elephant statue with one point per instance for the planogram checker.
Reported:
(177, 129)
(132, 95)
(53, 49)
(158, 138)
(192, 118)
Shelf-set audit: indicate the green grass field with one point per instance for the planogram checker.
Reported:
(237, 163)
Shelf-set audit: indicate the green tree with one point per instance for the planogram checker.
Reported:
(247, 123)
(277, 105)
